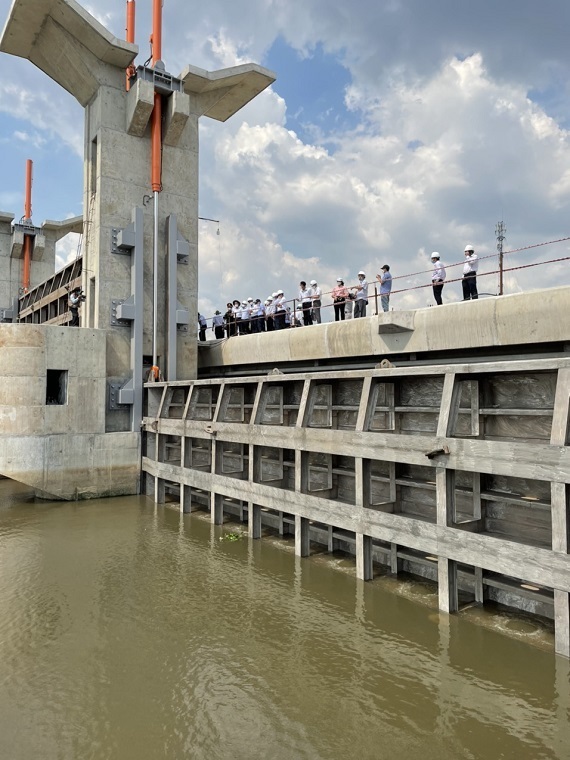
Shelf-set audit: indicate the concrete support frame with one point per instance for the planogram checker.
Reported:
(364, 569)
(302, 543)
(132, 240)
(177, 316)
(560, 505)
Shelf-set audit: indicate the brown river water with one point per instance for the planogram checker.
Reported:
(132, 632)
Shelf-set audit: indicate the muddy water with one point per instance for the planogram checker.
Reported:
(129, 632)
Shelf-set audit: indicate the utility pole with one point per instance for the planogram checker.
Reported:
(500, 230)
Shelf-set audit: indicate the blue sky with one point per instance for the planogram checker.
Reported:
(395, 127)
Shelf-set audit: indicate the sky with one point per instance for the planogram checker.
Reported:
(394, 128)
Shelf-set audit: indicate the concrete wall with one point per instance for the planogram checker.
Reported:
(522, 318)
(60, 449)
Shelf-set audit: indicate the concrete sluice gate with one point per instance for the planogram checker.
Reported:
(456, 473)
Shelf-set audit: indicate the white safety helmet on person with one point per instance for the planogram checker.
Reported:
(313, 282)
(362, 273)
(435, 255)
(469, 248)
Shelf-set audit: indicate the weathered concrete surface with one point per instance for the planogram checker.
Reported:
(522, 318)
(61, 449)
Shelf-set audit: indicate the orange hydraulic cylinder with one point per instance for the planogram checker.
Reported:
(131, 7)
(156, 144)
(27, 238)
(28, 197)
(156, 121)
(156, 31)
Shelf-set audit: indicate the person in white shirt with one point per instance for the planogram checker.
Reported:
(218, 325)
(361, 297)
(437, 277)
(270, 312)
(280, 309)
(316, 294)
(306, 303)
(470, 274)
(244, 316)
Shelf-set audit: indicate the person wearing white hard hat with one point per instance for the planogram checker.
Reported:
(469, 282)
(361, 296)
(316, 294)
(270, 313)
(280, 310)
(437, 277)
(305, 298)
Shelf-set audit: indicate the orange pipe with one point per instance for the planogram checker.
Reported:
(28, 198)
(156, 145)
(131, 7)
(156, 119)
(156, 31)
(27, 238)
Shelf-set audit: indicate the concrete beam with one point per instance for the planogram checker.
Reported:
(59, 229)
(140, 102)
(56, 36)
(177, 114)
(220, 94)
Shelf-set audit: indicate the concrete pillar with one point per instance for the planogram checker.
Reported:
(562, 623)
(301, 536)
(216, 509)
(185, 499)
(159, 491)
(254, 520)
(445, 494)
(332, 543)
(560, 501)
(364, 557)
(479, 588)
(447, 584)
(394, 559)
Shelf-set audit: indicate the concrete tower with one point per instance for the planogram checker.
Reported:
(124, 233)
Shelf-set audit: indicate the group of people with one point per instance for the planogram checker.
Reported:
(275, 313)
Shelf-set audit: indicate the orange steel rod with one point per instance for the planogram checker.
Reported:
(156, 31)
(27, 238)
(156, 120)
(156, 144)
(131, 6)
(28, 199)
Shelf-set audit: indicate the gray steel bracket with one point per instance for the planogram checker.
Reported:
(129, 312)
(117, 315)
(9, 313)
(115, 401)
(123, 241)
(161, 80)
(178, 317)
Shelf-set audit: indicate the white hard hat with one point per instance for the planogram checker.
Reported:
(469, 247)
(435, 255)
(339, 279)
(363, 273)
(266, 303)
(313, 282)
(250, 299)
(269, 298)
(275, 295)
(279, 292)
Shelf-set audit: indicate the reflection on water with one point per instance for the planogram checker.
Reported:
(133, 632)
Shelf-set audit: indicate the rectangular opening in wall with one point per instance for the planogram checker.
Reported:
(56, 387)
